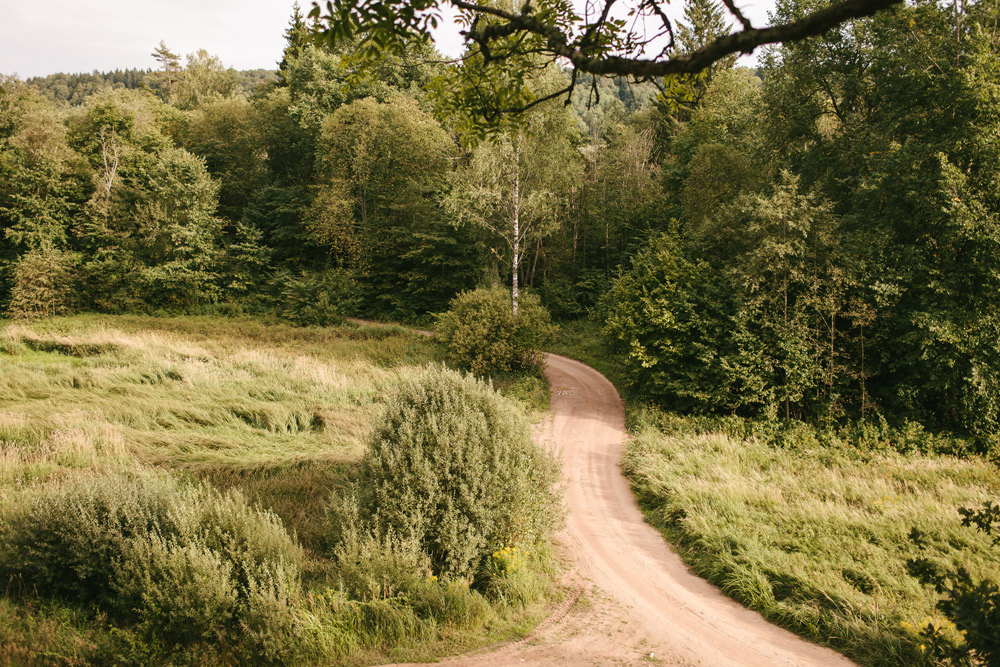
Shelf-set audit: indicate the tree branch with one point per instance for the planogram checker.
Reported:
(731, 6)
(744, 41)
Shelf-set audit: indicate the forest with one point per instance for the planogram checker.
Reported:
(809, 246)
(815, 240)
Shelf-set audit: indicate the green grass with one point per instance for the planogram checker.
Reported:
(275, 410)
(278, 412)
(816, 537)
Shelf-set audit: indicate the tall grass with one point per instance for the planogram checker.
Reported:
(816, 537)
(280, 414)
(274, 410)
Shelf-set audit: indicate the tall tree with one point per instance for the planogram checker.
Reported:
(383, 167)
(509, 187)
(170, 66)
(205, 79)
(296, 38)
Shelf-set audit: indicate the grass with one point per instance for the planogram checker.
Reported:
(816, 537)
(277, 412)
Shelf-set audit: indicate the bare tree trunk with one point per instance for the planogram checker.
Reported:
(515, 263)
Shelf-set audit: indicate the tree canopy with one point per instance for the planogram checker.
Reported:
(633, 38)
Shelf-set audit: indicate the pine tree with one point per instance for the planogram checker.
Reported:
(170, 63)
(296, 37)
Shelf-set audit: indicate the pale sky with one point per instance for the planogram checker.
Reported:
(39, 37)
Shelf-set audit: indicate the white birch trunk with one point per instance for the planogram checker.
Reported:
(515, 263)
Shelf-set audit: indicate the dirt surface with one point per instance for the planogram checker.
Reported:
(631, 599)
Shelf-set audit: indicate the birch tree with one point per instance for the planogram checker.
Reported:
(510, 189)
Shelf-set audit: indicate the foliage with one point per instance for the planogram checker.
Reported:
(318, 298)
(482, 334)
(451, 467)
(384, 167)
(666, 316)
(43, 284)
(205, 80)
(506, 43)
(186, 563)
(972, 604)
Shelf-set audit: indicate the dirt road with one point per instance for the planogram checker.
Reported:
(634, 600)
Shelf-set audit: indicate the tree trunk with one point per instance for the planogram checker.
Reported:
(516, 192)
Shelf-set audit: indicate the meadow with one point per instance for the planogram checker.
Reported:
(816, 536)
(263, 420)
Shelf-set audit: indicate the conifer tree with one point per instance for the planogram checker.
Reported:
(170, 63)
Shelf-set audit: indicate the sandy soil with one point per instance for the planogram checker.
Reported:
(631, 599)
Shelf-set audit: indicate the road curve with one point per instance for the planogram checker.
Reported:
(614, 547)
(640, 602)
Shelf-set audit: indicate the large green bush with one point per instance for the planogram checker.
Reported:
(185, 563)
(452, 467)
(483, 335)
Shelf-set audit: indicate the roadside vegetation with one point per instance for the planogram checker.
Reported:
(817, 529)
(166, 490)
(817, 534)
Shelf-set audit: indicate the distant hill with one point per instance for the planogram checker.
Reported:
(73, 89)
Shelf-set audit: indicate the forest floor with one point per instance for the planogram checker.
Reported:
(631, 598)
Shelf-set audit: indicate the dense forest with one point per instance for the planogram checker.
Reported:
(815, 240)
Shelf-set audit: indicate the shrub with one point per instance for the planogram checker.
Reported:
(318, 298)
(972, 634)
(482, 334)
(43, 284)
(187, 563)
(452, 468)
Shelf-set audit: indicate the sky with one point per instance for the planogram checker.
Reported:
(39, 37)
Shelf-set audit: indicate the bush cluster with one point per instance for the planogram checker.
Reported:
(187, 564)
(320, 298)
(452, 469)
(483, 335)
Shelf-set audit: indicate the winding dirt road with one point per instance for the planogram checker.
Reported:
(633, 599)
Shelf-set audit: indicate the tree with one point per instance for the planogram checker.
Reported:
(509, 188)
(891, 121)
(383, 168)
(605, 40)
(152, 234)
(170, 64)
(296, 39)
(43, 186)
(204, 80)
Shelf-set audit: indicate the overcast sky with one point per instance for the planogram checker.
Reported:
(39, 37)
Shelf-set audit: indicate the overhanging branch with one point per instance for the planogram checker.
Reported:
(744, 41)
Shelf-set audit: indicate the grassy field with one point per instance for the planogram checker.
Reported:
(813, 532)
(816, 537)
(278, 413)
